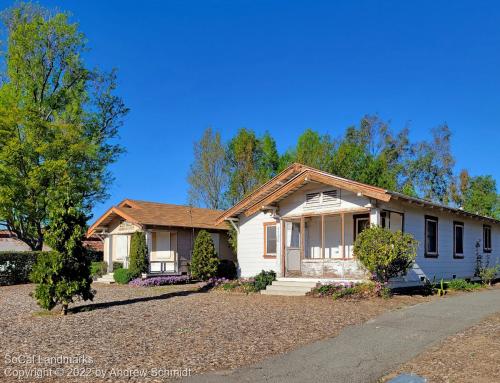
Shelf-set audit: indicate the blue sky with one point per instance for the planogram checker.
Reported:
(285, 66)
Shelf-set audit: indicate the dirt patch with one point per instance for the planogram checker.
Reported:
(469, 356)
(170, 328)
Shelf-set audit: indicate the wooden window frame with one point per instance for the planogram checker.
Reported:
(426, 253)
(487, 249)
(355, 218)
(455, 225)
(266, 255)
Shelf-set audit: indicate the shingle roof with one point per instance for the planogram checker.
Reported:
(161, 214)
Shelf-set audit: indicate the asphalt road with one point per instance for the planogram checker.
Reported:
(366, 352)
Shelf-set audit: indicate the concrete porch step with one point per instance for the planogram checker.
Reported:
(310, 284)
(106, 278)
(284, 293)
(290, 287)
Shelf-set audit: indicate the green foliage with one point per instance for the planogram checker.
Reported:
(204, 261)
(207, 176)
(233, 239)
(57, 121)
(98, 269)
(460, 285)
(138, 254)
(488, 274)
(352, 290)
(60, 279)
(477, 194)
(263, 279)
(315, 150)
(64, 273)
(117, 265)
(250, 162)
(122, 276)
(385, 254)
(16, 266)
(238, 285)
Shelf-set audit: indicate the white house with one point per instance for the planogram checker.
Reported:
(303, 223)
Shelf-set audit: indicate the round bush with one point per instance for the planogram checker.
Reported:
(385, 254)
(122, 276)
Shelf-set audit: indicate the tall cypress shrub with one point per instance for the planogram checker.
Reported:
(204, 261)
(138, 254)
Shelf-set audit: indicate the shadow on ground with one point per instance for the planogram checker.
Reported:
(125, 302)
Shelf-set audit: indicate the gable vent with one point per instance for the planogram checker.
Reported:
(331, 196)
(312, 199)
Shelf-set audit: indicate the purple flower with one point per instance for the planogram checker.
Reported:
(159, 281)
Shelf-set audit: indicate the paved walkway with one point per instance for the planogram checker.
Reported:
(366, 352)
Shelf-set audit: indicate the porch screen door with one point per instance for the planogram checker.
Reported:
(292, 246)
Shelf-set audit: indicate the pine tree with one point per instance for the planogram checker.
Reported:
(204, 261)
(138, 254)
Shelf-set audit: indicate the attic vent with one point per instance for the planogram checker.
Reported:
(312, 199)
(331, 196)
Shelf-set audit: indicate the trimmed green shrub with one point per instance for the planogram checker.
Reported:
(138, 254)
(117, 265)
(263, 279)
(226, 269)
(204, 261)
(122, 276)
(98, 269)
(16, 266)
(385, 254)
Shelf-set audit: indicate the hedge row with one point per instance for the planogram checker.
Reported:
(15, 266)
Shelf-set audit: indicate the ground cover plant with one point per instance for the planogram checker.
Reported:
(160, 281)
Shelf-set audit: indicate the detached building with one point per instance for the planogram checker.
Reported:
(170, 233)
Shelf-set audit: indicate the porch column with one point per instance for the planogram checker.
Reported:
(108, 252)
(302, 238)
(342, 235)
(375, 216)
(323, 236)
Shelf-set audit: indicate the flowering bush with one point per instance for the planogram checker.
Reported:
(160, 281)
(237, 285)
(339, 290)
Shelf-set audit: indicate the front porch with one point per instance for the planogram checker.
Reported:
(163, 259)
(320, 246)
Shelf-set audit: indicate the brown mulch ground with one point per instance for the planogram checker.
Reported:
(469, 356)
(164, 328)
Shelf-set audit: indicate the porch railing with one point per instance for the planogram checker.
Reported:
(158, 267)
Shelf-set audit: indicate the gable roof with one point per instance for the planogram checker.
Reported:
(144, 213)
(297, 175)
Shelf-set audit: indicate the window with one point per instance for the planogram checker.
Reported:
(458, 239)
(361, 222)
(270, 243)
(431, 236)
(487, 238)
(392, 220)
